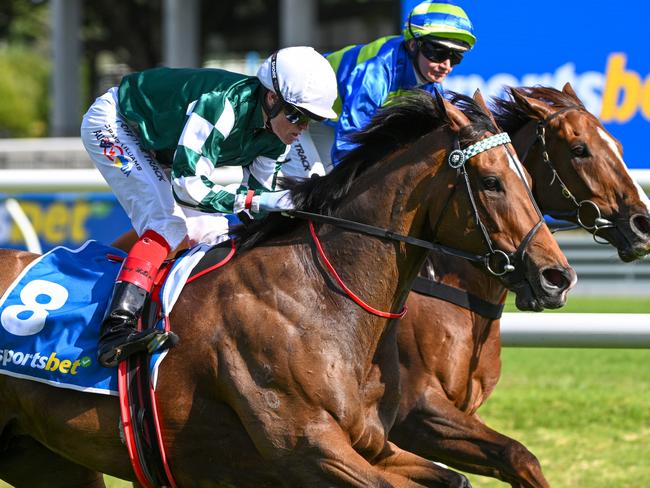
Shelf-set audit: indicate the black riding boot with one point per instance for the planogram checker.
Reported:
(119, 335)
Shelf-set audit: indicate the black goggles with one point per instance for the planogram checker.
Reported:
(438, 53)
(299, 116)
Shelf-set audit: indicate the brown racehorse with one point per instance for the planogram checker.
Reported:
(450, 355)
(280, 378)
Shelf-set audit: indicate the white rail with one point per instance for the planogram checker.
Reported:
(16, 212)
(77, 179)
(607, 330)
(91, 179)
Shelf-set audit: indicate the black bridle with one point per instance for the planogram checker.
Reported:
(493, 257)
(600, 223)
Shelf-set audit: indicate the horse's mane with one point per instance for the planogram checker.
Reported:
(396, 125)
(512, 115)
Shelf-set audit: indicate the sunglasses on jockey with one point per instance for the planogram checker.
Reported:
(299, 116)
(438, 53)
(295, 115)
(433, 50)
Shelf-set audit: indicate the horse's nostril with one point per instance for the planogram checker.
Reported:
(641, 223)
(556, 277)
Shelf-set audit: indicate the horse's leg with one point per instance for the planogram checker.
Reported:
(25, 462)
(328, 459)
(441, 432)
(413, 467)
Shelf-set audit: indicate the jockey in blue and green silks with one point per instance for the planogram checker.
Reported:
(434, 39)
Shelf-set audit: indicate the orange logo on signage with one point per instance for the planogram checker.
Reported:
(625, 92)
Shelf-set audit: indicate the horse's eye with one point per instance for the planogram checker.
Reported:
(580, 151)
(491, 183)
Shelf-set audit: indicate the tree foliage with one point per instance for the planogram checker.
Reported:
(24, 93)
(24, 67)
(129, 33)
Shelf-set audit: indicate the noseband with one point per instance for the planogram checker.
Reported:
(496, 261)
(600, 223)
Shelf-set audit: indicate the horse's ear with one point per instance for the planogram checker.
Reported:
(457, 119)
(478, 98)
(568, 90)
(535, 108)
(440, 101)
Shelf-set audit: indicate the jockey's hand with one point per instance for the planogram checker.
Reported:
(276, 201)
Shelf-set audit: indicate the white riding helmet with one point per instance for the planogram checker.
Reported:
(304, 78)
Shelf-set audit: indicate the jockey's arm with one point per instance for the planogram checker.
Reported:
(194, 177)
(255, 193)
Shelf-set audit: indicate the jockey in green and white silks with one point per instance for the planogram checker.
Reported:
(435, 37)
(196, 120)
(203, 119)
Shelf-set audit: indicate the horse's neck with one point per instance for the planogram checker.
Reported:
(382, 271)
(529, 153)
(523, 139)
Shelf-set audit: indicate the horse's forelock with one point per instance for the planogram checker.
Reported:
(480, 120)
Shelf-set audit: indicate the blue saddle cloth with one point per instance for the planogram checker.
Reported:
(50, 319)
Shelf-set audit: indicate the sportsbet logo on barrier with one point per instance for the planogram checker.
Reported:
(618, 94)
(626, 92)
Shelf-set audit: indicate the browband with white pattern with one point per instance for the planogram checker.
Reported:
(485, 144)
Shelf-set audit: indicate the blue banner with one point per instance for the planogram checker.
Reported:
(600, 48)
(65, 219)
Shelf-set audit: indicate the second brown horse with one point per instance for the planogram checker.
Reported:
(449, 354)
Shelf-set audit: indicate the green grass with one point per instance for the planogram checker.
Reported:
(115, 483)
(584, 413)
(594, 304)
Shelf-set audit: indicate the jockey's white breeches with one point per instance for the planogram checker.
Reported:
(140, 184)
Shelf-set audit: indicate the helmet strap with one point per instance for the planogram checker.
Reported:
(270, 110)
(409, 25)
(273, 110)
(415, 54)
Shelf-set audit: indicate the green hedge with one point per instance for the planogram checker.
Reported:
(24, 82)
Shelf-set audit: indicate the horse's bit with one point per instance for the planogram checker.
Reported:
(600, 223)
